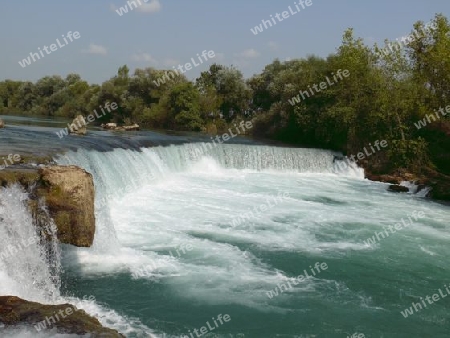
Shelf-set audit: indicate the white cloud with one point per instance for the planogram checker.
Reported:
(272, 45)
(249, 54)
(141, 6)
(95, 49)
(144, 57)
(152, 7)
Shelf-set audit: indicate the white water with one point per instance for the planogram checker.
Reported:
(169, 181)
(31, 270)
(24, 268)
(154, 201)
(121, 172)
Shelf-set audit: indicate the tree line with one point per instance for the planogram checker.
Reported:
(388, 90)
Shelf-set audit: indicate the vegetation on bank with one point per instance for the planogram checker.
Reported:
(389, 89)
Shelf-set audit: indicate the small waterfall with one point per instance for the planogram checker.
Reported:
(121, 171)
(122, 168)
(29, 268)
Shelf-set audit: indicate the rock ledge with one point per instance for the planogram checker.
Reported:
(66, 318)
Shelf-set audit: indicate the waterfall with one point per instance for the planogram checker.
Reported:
(121, 171)
(29, 267)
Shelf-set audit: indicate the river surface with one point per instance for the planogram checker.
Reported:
(273, 239)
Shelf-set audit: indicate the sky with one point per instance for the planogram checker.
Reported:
(166, 33)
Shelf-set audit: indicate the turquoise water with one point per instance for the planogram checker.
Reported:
(162, 200)
(185, 233)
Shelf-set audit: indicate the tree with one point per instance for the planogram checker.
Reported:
(429, 55)
(229, 85)
(184, 107)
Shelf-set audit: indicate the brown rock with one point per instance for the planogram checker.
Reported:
(16, 311)
(78, 126)
(2, 124)
(132, 127)
(109, 126)
(24, 177)
(114, 126)
(69, 194)
(438, 182)
(398, 188)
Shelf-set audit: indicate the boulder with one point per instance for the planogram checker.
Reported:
(69, 195)
(133, 127)
(26, 177)
(78, 126)
(109, 126)
(2, 124)
(66, 318)
(114, 126)
(398, 188)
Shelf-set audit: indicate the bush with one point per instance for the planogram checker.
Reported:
(409, 154)
(188, 121)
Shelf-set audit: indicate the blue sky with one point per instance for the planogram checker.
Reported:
(163, 33)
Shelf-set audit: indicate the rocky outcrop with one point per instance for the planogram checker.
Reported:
(438, 182)
(114, 126)
(2, 124)
(78, 126)
(66, 318)
(133, 127)
(69, 195)
(23, 176)
(109, 126)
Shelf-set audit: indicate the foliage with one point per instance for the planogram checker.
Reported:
(387, 91)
